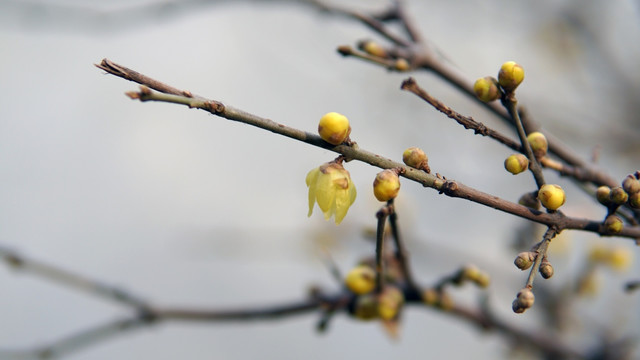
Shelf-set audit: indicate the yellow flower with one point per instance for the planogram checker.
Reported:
(331, 187)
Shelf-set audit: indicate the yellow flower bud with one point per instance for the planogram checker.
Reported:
(386, 185)
(618, 196)
(366, 307)
(613, 224)
(416, 158)
(361, 280)
(331, 187)
(603, 194)
(516, 164)
(482, 280)
(539, 144)
(510, 76)
(373, 48)
(487, 89)
(402, 65)
(390, 302)
(551, 196)
(334, 128)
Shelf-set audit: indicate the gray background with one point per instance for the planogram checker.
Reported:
(188, 209)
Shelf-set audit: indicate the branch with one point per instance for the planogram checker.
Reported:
(447, 187)
(150, 315)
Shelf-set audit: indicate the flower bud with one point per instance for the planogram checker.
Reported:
(539, 144)
(330, 185)
(631, 185)
(390, 302)
(546, 270)
(516, 164)
(551, 196)
(361, 279)
(524, 260)
(373, 48)
(603, 194)
(487, 89)
(613, 224)
(366, 307)
(482, 280)
(510, 76)
(402, 65)
(524, 300)
(515, 306)
(386, 185)
(334, 128)
(416, 158)
(618, 196)
(634, 200)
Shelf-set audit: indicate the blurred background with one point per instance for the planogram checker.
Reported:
(187, 209)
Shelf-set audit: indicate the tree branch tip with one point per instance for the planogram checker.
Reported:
(345, 50)
(133, 95)
(409, 83)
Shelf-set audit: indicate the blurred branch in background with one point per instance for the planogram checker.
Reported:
(145, 314)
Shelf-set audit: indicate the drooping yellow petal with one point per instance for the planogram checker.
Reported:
(325, 192)
(312, 178)
(343, 201)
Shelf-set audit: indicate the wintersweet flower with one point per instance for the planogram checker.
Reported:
(331, 187)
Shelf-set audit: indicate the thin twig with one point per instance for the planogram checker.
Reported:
(466, 121)
(338, 302)
(401, 252)
(541, 253)
(381, 215)
(69, 279)
(447, 187)
(511, 103)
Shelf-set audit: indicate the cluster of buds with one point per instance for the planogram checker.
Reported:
(518, 163)
(524, 300)
(488, 88)
(385, 305)
(525, 259)
(612, 198)
(628, 193)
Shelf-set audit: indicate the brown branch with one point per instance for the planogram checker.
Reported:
(467, 122)
(429, 58)
(150, 315)
(448, 187)
(402, 255)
